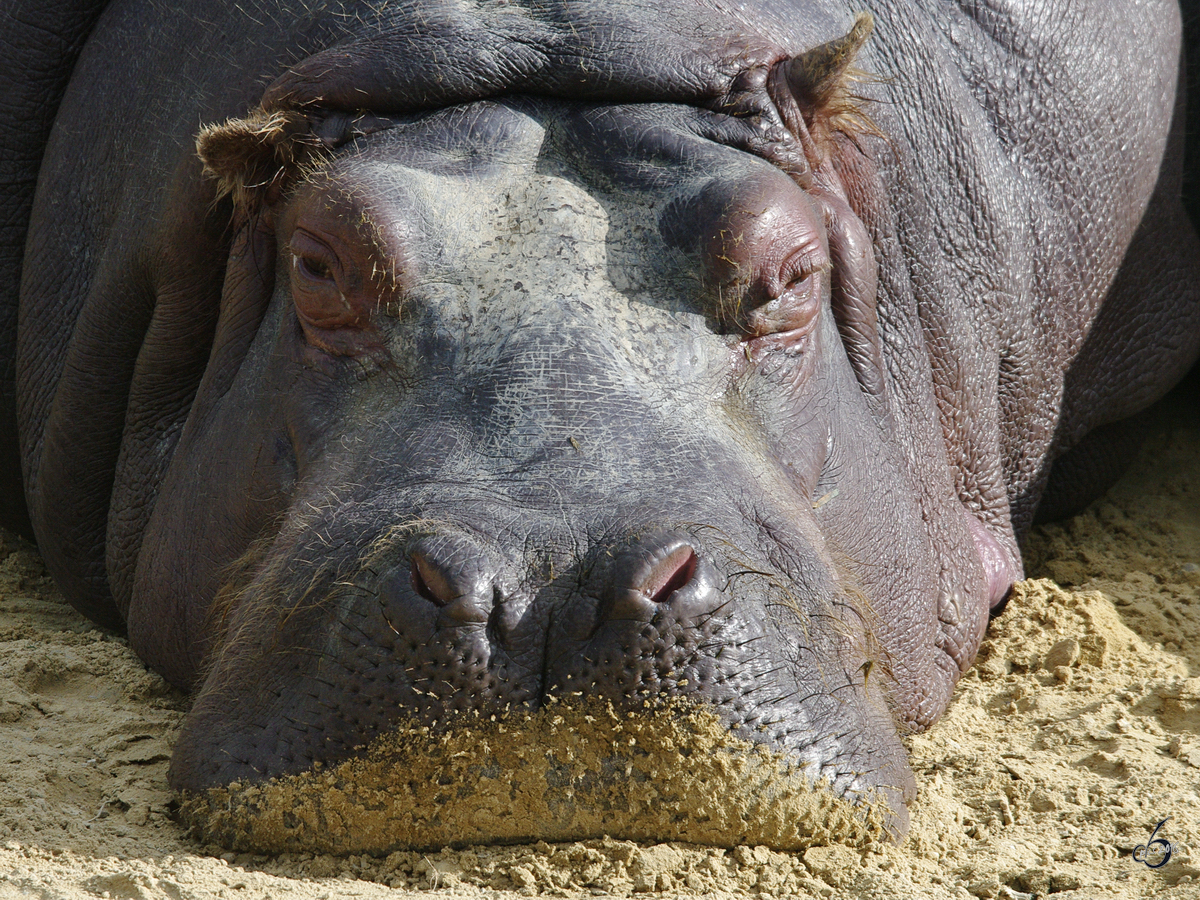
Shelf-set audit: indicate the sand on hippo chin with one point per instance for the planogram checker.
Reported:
(668, 772)
(1076, 733)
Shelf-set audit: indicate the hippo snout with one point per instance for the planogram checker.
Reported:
(456, 575)
(440, 640)
(640, 620)
(660, 574)
(659, 571)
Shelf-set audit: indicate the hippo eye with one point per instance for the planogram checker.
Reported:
(312, 259)
(334, 300)
(801, 274)
(794, 305)
(803, 286)
(319, 293)
(311, 267)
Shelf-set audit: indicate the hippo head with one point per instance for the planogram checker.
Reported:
(525, 415)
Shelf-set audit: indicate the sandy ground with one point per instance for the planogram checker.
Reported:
(1075, 734)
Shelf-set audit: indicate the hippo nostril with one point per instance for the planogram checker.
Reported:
(430, 583)
(670, 574)
(456, 574)
(655, 572)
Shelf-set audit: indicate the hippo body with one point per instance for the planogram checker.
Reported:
(494, 354)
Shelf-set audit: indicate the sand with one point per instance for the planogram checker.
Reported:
(668, 771)
(1077, 731)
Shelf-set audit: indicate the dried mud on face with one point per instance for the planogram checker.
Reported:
(1077, 731)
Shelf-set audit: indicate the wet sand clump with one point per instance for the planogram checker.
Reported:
(573, 771)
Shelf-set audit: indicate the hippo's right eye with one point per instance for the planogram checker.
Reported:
(322, 293)
(338, 299)
(311, 267)
(312, 258)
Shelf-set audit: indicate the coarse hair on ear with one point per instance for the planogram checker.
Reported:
(252, 158)
(822, 84)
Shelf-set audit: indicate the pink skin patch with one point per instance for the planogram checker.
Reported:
(997, 564)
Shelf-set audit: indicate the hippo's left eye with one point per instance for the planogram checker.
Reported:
(765, 255)
(795, 303)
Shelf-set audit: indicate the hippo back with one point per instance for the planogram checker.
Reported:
(39, 42)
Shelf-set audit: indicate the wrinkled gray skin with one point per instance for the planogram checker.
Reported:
(564, 378)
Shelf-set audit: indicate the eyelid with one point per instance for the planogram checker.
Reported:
(305, 246)
(302, 264)
(802, 265)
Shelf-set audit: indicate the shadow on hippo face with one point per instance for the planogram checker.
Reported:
(552, 458)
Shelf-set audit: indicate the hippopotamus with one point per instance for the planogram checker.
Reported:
(406, 378)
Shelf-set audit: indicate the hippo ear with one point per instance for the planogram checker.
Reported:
(251, 158)
(821, 82)
(254, 158)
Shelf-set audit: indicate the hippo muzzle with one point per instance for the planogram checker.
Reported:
(548, 427)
